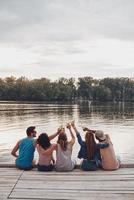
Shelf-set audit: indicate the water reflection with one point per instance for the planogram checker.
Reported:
(115, 118)
(108, 111)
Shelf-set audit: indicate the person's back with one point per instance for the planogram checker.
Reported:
(45, 150)
(43, 160)
(88, 150)
(26, 148)
(64, 151)
(109, 160)
(26, 153)
(64, 161)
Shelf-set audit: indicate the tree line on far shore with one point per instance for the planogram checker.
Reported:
(63, 89)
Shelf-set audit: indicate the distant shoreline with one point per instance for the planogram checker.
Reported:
(67, 90)
(62, 102)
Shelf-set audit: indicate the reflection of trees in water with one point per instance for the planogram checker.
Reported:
(20, 114)
(107, 110)
(84, 109)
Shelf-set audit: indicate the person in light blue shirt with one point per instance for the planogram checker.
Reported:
(26, 148)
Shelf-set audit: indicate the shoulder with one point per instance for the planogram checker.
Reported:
(26, 139)
(102, 145)
(54, 146)
(18, 144)
(21, 141)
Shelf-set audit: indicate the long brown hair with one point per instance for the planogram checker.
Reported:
(90, 142)
(44, 141)
(62, 140)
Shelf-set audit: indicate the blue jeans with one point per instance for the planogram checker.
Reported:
(89, 165)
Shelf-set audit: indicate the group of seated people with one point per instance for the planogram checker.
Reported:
(96, 151)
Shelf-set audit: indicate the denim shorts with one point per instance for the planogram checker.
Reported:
(89, 165)
(45, 168)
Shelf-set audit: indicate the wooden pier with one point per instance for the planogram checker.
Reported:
(77, 185)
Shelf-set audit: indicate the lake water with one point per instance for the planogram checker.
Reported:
(116, 119)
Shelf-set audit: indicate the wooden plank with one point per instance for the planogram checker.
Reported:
(7, 165)
(79, 185)
(102, 185)
(4, 192)
(78, 177)
(14, 172)
(4, 189)
(7, 183)
(68, 195)
(12, 165)
(83, 173)
(8, 169)
(8, 178)
(10, 172)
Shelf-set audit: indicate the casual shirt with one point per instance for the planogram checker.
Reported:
(83, 149)
(63, 158)
(26, 153)
(109, 160)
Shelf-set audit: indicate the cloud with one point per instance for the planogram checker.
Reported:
(54, 37)
(61, 20)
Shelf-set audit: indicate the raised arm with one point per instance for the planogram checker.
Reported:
(71, 133)
(15, 149)
(88, 130)
(51, 137)
(74, 128)
(80, 141)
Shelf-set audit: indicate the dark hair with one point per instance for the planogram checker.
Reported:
(44, 141)
(62, 140)
(90, 143)
(30, 130)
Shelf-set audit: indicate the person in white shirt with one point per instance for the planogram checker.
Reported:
(64, 149)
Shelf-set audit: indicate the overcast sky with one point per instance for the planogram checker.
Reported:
(55, 38)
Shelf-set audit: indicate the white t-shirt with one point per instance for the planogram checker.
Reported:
(63, 159)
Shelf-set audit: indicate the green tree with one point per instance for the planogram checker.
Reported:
(85, 88)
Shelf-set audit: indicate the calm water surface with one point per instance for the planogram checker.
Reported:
(116, 119)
